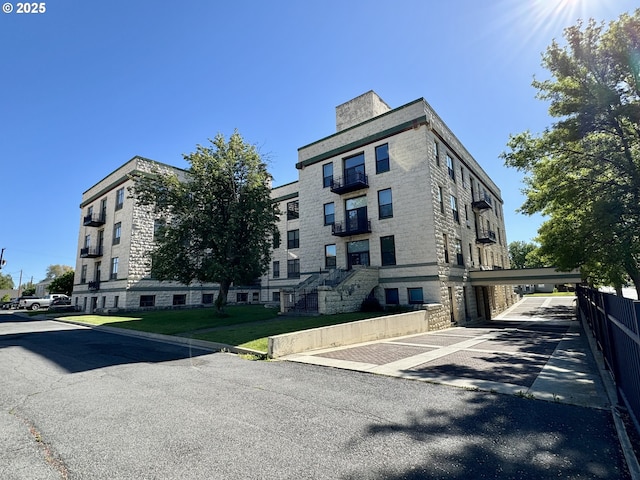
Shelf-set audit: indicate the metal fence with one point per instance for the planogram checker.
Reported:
(615, 323)
(301, 300)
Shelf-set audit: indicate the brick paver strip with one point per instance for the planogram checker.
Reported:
(377, 353)
(493, 367)
(433, 339)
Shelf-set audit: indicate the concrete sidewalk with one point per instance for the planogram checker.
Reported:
(536, 349)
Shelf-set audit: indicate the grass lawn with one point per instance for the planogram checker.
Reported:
(244, 326)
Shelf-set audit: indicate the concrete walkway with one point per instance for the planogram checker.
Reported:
(536, 349)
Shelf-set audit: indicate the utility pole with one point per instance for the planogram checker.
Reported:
(2, 260)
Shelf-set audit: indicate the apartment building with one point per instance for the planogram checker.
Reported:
(113, 269)
(394, 193)
(391, 206)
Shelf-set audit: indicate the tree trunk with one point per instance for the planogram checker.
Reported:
(221, 301)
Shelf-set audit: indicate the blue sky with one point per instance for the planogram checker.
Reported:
(88, 85)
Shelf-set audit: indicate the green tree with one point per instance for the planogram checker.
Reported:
(6, 282)
(218, 223)
(62, 283)
(525, 255)
(55, 271)
(28, 289)
(584, 171)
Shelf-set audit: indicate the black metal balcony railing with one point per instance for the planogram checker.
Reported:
(90, 252)
(350, 183)
(346, 229)
(482, 203)
(486, 236)
(95, 285)
(94, 220)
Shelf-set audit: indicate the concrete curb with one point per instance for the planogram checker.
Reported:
(157, 337)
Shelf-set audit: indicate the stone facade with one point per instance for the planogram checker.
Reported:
(427, 211)
(113, 270)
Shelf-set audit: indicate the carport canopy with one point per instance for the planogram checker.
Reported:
(523, 276)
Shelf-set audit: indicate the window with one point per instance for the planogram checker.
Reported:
(242, 297)
(329, 213)
(446, 247)
(293, 268)
(327, 175)
(255, 296)
(464, 183)
(357, 219)
(382, 158)
(83, 274)
(436, 149)
(454, 209)
(180, 299)
(354, 169)
(293, 239)
(459, 256)
(158, 225)
(276, 269)
(103, 302)
(103, 209)
(116, 301)
(440, 199)
(388, 250)
(357, 253)
(452, 172)
(276, 239)
(415, 296)
(385, 204)
(90, 211)
(391, 296)
(87, 241)
(330, 256)
(207, 298)
(466, 215)
(114, 268)
(275, 297)
(119, 198)
(293, 210)
(97, 271)
(147, 300)
(117, 231)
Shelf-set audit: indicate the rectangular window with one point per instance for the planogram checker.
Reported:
(450, 168)
(103, 209)
(459, 256)
(385, 204)
(454, 209)
(391, 296)
(117, 231)
(293, 210)
(329, 213)
(147, 300)
(242, 297)
(103, 302)
(464, 183)
(388, 250)
(382, 158)
(114, 268)
(83, 274)
(180, 299)
(116, 301)
(415, 296)
(354, 169)
(87, 241)
(119, 198)
(446, 247)
(441, 199)
(207, 298)
(275, 297)
(255, 296)
(293, 268)
(330, 256)
(276, 269)
(436, 149)
(276, 239)
(293, 239)
(327, 175)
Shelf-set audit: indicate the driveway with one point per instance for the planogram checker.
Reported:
(76, 403)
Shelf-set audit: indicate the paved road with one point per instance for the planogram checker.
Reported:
(80, 404)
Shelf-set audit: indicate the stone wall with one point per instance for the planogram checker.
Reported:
(349, 294)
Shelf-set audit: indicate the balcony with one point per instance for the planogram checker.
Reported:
(90, 252)
(347, 229)
(93, 220)
(486, 237)
(95, 285)
(482, 203)
(350, 183)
